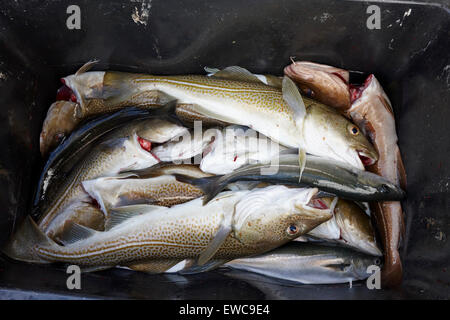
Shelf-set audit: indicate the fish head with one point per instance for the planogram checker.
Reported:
(356, 227)
(126, 153)
(361, 265)
(352, 265)
(275, 215)
(344, 140)
(326, 84)
(79, 86)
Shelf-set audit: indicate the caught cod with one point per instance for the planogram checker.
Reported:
(280, 114)
(236, 224)
(350, 226)
(157, 186)
(126, 148)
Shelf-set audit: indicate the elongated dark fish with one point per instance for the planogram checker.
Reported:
(327, 175)
(309, 263)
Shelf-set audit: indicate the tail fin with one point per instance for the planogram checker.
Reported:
(210, 186)
(22, 245)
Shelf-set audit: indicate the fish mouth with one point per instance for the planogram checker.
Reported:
(365, 158)
(146, 145)
(65, 93)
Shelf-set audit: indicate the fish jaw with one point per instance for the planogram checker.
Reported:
(274, 215)
(327, 84)
(84, 86)
(329, 134)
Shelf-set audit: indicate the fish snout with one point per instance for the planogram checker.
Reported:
(391, 192)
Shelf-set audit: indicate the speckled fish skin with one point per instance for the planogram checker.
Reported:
(256, 105)
(120, 150)
(261, 220)
(157, 187)
(309, 264)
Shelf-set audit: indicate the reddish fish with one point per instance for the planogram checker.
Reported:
(323, 83)
(370, 109)
(373, 112)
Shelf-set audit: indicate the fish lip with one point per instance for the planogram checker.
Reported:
(366, 158)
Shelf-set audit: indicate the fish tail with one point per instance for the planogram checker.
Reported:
(210, 186)
(22, 245)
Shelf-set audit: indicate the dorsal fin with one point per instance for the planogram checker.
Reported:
(86, 67)
(118, 215)
(233, 73)
(74, 232)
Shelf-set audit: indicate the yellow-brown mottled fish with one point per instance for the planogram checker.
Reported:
(236, 224)
(279, 114)
(126, 148)
(156, 186)
(350, 226)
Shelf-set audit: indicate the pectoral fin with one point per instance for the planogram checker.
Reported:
(218, 239)
(294, 100)
(301, 162)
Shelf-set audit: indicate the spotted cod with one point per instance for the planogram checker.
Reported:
(232, 95)
(145, 237)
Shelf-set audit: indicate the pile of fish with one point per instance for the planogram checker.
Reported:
(231, 169)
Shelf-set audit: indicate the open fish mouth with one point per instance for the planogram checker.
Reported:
(366, 159)
(65, 93)
(317, 203)
(146, 145)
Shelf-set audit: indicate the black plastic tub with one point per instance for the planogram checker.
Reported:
(409, 54)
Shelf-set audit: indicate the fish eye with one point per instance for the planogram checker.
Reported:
(292, 229)
(354, 130)
(377, 261)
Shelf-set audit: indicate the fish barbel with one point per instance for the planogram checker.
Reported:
(309, 263)
(277, 113)
(236, 224)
